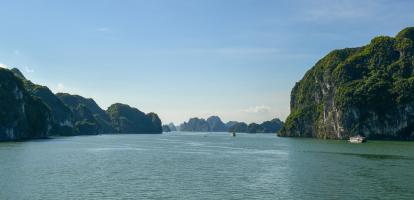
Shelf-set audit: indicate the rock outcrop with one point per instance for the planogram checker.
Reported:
(87, 114)
(365, 91)
(212, 124)
(126, 119)
(216, 125)
(22, 116)
(62, 116)
(272, 126)
(29, 111)
(195, 125)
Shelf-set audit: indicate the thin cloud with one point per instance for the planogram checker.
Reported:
(28, 70)
(257, 109)
(2, 65)
(60, 87)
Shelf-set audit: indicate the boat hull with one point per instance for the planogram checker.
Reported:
(357, 139)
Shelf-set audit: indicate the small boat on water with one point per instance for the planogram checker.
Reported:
(357, 139)
(233, 134)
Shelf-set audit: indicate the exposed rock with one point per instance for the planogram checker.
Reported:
(195, 125)
(22, 116)
(30, 111)
(214, 124)
(365, 91)
(61, 114)
(80, 106)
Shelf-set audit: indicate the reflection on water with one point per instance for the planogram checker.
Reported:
(369, 156)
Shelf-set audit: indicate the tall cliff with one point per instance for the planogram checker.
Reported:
(22, 116)
(29, 111)
(367, 90)
(61, 114)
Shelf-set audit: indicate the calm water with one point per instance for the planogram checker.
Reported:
(205, 166)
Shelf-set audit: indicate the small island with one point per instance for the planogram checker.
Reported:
(215, 124)
(31, 111)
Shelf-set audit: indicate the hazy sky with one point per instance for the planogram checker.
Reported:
(237, 59)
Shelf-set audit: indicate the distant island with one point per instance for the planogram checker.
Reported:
(215, 124)
(30, 111)
(366, 91)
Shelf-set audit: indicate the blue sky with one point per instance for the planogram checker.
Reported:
(237, 59)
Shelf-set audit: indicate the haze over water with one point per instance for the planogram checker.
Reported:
(205, 166)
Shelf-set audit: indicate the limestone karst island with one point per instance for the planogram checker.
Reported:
(215, 100)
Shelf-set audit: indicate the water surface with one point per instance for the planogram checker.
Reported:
(205, 166)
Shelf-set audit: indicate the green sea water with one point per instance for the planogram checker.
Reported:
(205, 166)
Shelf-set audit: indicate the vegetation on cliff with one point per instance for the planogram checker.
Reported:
(195, 125)
(126, 119)
(22, 116)
(272, 126)
(28, 111)
(212, 124)
(62, 116)
(358, 91)
(98, 120)
(215, 124)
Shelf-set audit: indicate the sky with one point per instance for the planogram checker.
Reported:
(237, 59)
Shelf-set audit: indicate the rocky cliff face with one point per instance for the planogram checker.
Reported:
(216, 125)
(126, 119)
(212, 124)
(367, 91)
(89, 117)
(61, 114)
(29, 111)
(22, 116)
(195, 125)
(272, 126)
(156, 124)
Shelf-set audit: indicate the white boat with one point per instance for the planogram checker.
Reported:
(357, 139)
(234, 134)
